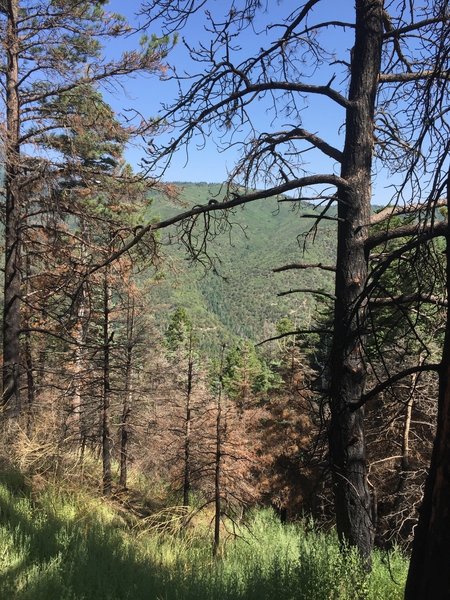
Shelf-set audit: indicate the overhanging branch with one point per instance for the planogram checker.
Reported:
(237, 200)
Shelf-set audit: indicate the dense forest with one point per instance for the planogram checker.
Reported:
(227, 295)
(235, 389)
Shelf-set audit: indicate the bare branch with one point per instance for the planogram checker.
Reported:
(293, 266)
(393, 379)
(407, 299)
(391, 211)
(319, 143)
(412, 27)
(308, 291)
(237, 200)
(426, 232)
(420, 75)
(296, 332)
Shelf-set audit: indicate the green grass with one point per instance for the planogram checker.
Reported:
(56, 545)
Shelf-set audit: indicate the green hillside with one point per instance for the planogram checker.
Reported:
(241, 299)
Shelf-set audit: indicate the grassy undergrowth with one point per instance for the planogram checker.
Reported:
(60, 545)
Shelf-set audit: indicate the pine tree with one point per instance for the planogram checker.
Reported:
(52, 56)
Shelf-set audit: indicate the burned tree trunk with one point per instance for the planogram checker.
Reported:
(348, 370)
(28, 356)
(12, 285)
(429, 575)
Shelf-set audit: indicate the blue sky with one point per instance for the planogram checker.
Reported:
(322, 116)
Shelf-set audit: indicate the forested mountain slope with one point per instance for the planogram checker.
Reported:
(240, 299)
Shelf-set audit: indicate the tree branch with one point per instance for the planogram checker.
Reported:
(391, 211)
(237, 200)
(408, 298)
(318, 143)
(405, 77)
(412, 27)
(297, 332)
(389, 382)
(308, 291)
(425, 233)
(293, 266)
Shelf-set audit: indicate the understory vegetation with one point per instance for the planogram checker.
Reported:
(59, 543)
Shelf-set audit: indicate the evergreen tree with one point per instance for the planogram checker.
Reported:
(52, 54)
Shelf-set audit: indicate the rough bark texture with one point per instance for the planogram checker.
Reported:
(429, 573)
(12, 285)
(353, 504)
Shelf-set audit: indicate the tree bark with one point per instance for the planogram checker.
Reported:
(12, 284)
(77, 399)
(106, 428)
(217, 477)
(218, 462)
(429, 573)
(28, 355)
(187, 432)
(128, 397)
(353, 504)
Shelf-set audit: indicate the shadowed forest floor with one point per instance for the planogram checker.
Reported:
(58, 543)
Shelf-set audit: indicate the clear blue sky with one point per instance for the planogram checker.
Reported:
(147, 93)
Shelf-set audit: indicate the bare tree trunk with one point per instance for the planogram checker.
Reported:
(81, 331)
(407, 425)
(406, 430)
(28, 354)
(353, 503)
(106, 428)
(218, 462)
(31, 389)
(128, 396)
(12, 285)
(429, 573)
(30, 382)
(77, 398)
(187, 431)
